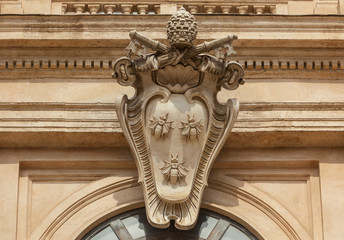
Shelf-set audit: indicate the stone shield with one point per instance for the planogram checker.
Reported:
(175, 128)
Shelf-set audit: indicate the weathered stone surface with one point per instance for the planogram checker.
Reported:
(174, 124)
(58, 126)
(266, 30)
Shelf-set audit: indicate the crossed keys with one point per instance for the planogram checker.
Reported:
(140, 44)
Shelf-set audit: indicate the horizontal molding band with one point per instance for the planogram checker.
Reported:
(56, 105)
(248, 63)
(256, 139)
(112, 30)
(257, 106)
(106, 23)
(98, 117)
(266, 106)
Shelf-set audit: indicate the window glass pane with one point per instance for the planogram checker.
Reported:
(134, 227)
(135, 222)
(207, 226)
(106, 234)
(234, 234)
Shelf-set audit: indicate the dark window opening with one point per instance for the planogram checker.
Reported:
(134, 225)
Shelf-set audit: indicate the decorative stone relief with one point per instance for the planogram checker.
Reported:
(174, 124)
(174, 169)
(160, 126)
(191, 128)
(143, 8)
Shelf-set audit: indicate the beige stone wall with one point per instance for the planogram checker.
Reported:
(64, 163)
(292, 191)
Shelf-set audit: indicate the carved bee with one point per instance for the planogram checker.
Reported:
(174, 169)
(160, 126)
(192, 127)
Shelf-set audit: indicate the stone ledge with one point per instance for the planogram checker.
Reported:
(102, 117)
(96, 125)
(90, 67)
(107, 31)
(258, 139)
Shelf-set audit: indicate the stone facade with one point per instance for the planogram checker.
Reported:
(65, 165)
(256, 7)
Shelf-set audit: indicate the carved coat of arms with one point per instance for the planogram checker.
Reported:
(174, 124)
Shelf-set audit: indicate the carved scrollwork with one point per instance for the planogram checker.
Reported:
(176, 82)
(123, 72)
(149, 63)
(234, 76)
(211, 65)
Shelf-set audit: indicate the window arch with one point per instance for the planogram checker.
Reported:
(134, 225)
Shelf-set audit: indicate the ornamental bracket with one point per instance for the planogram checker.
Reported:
(174, 124)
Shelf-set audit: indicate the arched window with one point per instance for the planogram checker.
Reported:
(134, 225)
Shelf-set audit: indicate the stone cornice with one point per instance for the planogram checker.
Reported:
(262, 45)
(105, 31)
(30, 63)
(96, 125)
(95, 69)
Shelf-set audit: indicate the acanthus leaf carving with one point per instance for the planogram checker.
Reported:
(176, 84)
